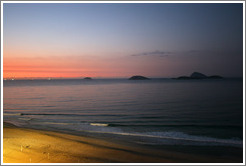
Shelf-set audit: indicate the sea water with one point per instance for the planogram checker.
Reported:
(157, 111)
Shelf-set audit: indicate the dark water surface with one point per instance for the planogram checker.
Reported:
(157, 111)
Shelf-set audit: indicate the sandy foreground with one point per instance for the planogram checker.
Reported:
(21, 145)
(27, 145)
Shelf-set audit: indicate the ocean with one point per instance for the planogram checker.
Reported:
(150, 112)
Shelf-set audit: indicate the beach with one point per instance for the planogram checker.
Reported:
(35, 146)
(23, 145)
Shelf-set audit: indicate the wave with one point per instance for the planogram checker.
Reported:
(180, 138)
(62, 114)
(56, 123)
(177, 125)
(98, 124)
(167, 137)
(148, 137)
(187, 137)
(127, 124)
(25, 119)
(172, 125)
(22, 114)
(133, 124)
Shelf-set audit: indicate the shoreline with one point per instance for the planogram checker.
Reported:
(26, 145)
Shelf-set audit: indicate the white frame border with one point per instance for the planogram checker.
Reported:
(2, 2)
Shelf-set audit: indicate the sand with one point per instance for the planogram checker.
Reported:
(22, 145)
(27, 145)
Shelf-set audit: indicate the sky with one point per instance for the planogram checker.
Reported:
(121, 40)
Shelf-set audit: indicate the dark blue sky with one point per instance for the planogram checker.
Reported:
(150, 39)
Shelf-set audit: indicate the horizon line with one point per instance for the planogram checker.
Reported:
(57, 78)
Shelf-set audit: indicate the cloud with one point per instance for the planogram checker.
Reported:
(191, 52)
(154, 53)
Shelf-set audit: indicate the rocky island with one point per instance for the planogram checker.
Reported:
(138, 78)
(197, 75)
(87, 78)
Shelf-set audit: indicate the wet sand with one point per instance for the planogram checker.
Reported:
(22, 145)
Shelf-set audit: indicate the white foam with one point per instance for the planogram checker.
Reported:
(174, 137)
(98, 124)
(183, 136)
(57, 123)
(25, 119)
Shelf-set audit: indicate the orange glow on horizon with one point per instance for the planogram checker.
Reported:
(27, 65)
(37, 71)
(34, 72)
(63, 66)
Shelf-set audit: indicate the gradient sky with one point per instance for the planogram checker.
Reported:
(121, 40)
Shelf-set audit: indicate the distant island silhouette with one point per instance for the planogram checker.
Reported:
(197, 75)
(137, 77)
(88, 78)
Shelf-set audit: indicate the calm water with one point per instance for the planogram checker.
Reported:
(157, 111)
